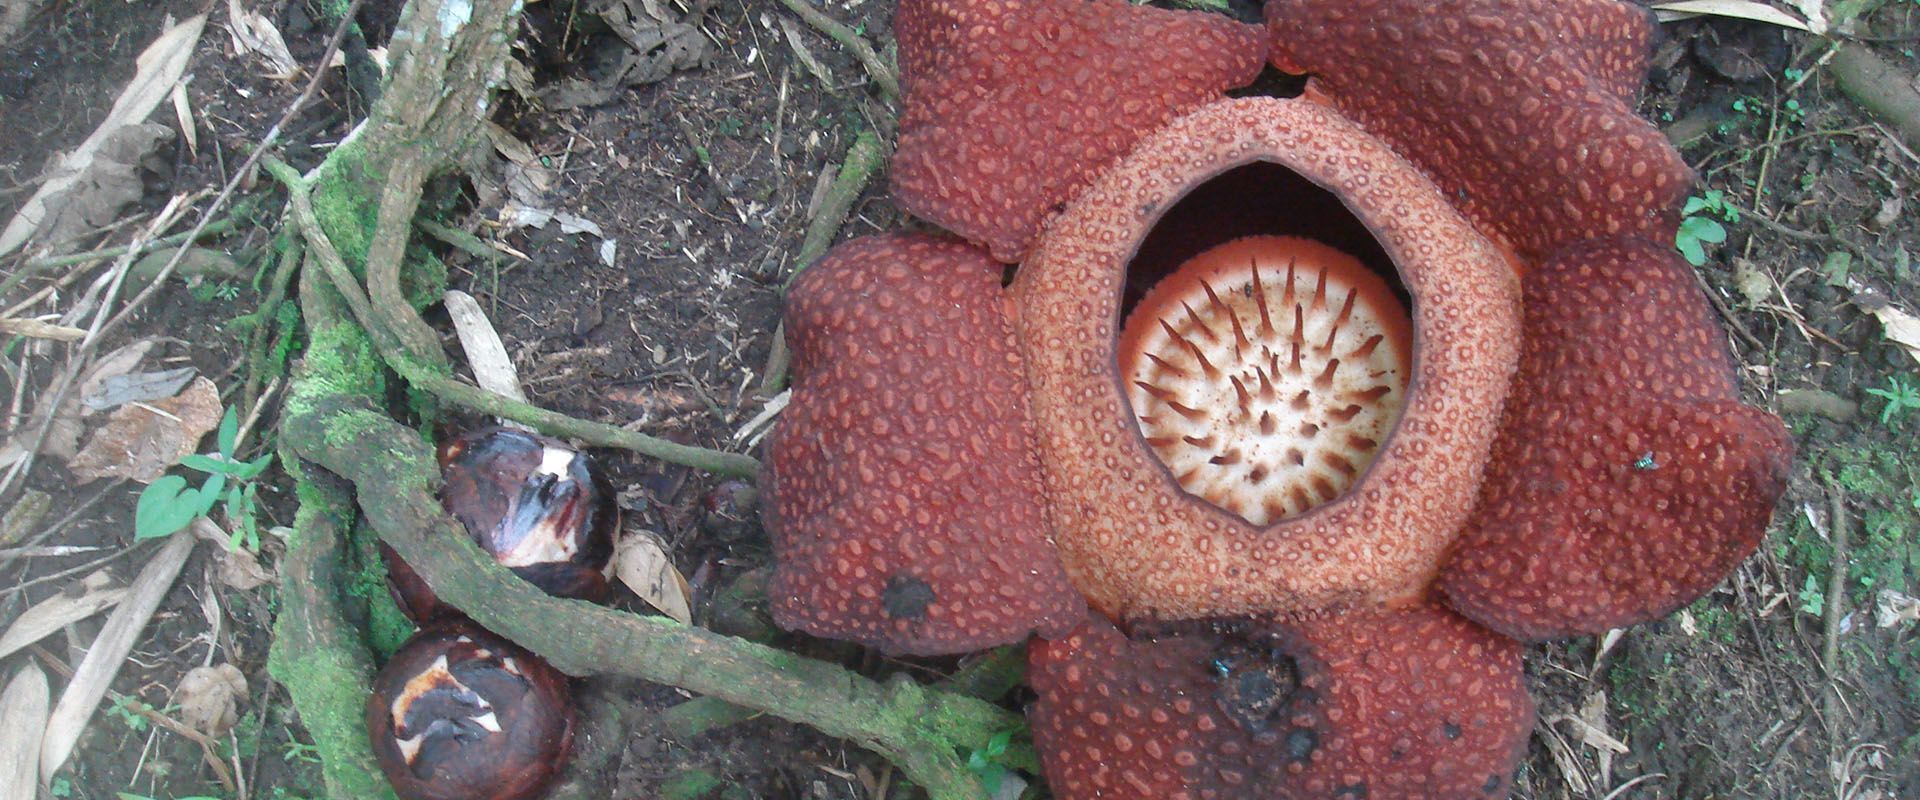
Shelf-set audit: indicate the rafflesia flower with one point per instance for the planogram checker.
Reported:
(1297, 414)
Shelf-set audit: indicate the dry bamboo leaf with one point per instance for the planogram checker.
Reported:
(800, 51)
(641, 561)
(1607, 641)
(160, 66)
(209, 698)
(1592, 726)
(96, 593)
(35, 329)
(141, 440)
(1735, 9)
(23, 717)
(109, 650)
(492, 367)
(183, 116)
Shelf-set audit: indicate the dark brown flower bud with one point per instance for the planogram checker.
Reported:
(461, 714)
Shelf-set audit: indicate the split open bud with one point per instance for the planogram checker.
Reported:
(461, 714)
(538, 506)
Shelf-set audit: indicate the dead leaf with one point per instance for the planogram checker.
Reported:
(109, 650)
(1818, 401)
(574, 223)
(111, 365)
(160, 66)
(641, 561)
(108, 182)
(648, 48)
(1892, 608)
(63, 438)
(241, 569)
(23, 717)
(115, 391)
(1896, 324)
(13, 14)
(255, 34)
(141, 440)
(1752, 281)
(209, 698)
(92, 595)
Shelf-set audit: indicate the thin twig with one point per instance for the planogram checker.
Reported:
(225, 226)
(1618, 790)
(1727, 314)
(1837, 525)
(876, 66)
(444, 386)
(77, 361)
(100, 330)
(246, 167)
(865, 158)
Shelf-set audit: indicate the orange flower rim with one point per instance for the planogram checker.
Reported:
(1298, 414)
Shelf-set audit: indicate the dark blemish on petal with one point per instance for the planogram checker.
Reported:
(1301, 743)
(907, 597)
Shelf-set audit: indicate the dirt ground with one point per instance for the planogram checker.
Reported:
(702, 168)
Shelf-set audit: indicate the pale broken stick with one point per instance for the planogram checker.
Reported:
(492, 368)
(23, 707)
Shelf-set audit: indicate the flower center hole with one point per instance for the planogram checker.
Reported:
(1265, 365)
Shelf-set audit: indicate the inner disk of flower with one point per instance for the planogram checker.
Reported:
(1267, 372)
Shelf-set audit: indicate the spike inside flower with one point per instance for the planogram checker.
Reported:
(1266, 372)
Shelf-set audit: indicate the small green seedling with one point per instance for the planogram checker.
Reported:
(982, 761)
(169, 504)
(1901, 397)
(1700, 226)
(1813, 601)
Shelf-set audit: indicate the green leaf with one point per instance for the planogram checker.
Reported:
(210, 491)
(1836, 267)
(997, 745)
(206, 463)
(1690, 249)
(1705, 230)
(166, 506)
(252, 469)
(230, 431)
